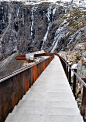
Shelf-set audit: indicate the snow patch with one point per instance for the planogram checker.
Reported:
(73, 67)
(60, 33)
(74, 37)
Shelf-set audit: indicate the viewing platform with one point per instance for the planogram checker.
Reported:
(49, 99)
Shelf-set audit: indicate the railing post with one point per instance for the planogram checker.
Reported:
(62, 62)
(67, 70)
(83, 99)
(70, 74)
(74, 83)
(65, 67)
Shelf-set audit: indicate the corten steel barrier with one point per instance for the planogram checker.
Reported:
(14, 86)
(22, 57)
(82, 80)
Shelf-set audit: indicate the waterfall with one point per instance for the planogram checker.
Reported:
(45, 37)
(57, 38)
(49, 21)
(49, 12)
(60, 33)
(18, 12)
(32, 22)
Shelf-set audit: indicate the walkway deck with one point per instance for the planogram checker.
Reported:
(50, 99)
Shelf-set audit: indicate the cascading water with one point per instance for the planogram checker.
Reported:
(49, 21)
(60, 33)
(49, 12)
(32, 22)
(18, 12)
(45, 37)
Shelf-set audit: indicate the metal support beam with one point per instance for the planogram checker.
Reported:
(74, 83)
(70, 74)
(83, 99)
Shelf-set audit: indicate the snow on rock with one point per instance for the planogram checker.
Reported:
(80, 3)
(77, 2)
(79, 46)
(75, 36)
(54, 10)
(60, 33)
(37, 1)
(73, 67)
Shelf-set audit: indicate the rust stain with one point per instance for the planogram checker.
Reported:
(16, 86)
(83, 99)
(35, 72)
(5, 109)
(13, 100)
(0, 113)
(32, 76)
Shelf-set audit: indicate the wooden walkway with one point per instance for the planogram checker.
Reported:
(50, 99)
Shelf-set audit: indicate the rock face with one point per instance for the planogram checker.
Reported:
(23, 27)
(49, 26)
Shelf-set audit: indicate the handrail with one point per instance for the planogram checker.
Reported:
(82, 80)
(74, 72)
(20, 70)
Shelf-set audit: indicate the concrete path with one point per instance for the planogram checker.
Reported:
(50, 99)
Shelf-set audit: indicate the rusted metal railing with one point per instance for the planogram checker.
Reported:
(82, 80)
(14, 86)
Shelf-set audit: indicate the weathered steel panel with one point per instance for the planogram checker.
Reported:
(83, 105)
(13, 88)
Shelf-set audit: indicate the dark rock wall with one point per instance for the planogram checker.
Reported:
(23, 27)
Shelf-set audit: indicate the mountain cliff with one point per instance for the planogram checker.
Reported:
(51, 26)
(24, 28)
